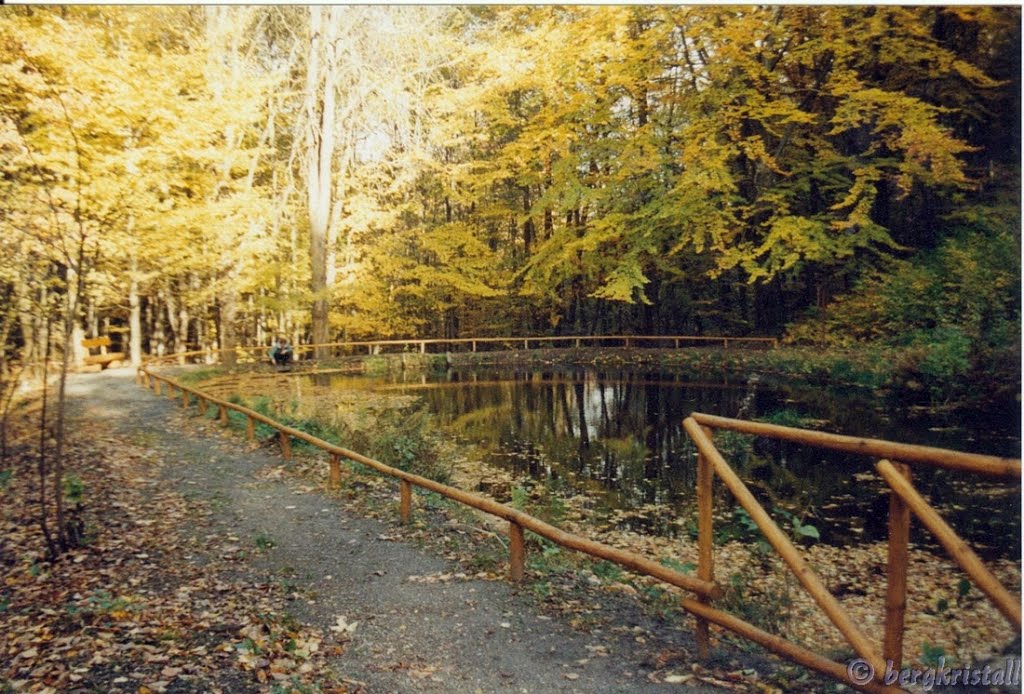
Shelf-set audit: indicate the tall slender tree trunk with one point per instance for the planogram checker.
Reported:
(320, 106)
(44, 521)
(157, 338)
(228, 320)
(22, 292)
(177, 317)
(134, 306)
(72, 331)
(228, 338)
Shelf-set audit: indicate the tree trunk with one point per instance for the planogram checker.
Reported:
(22, 291)
(228, 313)
(320, 112)
(74, 333)
(157, 338)
(44, 523)
(134, 307)
(178, 319)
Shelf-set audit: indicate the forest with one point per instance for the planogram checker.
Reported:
(195, 177)
(839, 182)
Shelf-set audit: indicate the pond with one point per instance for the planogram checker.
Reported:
(617, 438)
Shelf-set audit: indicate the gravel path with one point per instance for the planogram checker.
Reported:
(457, 636)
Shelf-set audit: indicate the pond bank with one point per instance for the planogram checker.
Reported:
(897, 375)
(760, 586)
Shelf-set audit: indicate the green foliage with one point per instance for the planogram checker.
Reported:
(764, 604)
(607, 571)
(799, 529)
(937, 355)
(686, 568)
(930, 654)
(963, 587)
(969, 283)
(545, 501)
(741, 527)
(102, 601)
(949, 314)
(520, 497)
(74, 488)
(193, 376)
(293, 686)
(402, 439)
(5, 479)
(549, 559)
(786, 417)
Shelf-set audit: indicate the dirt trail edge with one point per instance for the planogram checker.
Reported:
(461, 635)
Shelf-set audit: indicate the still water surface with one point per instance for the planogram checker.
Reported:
(618, 439)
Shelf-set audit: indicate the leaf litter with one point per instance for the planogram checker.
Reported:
(141, 606)
(135, 614)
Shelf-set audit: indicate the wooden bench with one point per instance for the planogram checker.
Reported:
(104, 358)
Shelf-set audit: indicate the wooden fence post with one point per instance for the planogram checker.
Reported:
(335, 479)
(156, 386)
(250, 428)
(516, 552)
(1008, 604)
(223, 415)
(286, 445)
(896, 574)
(405, 502)
(705, 541)
(811, 582)
(202, 405)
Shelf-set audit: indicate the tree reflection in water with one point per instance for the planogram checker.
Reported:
(618, 438)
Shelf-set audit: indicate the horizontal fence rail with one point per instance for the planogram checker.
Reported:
(518, 520)
(990, 465)
(904, 501)
(474, 344)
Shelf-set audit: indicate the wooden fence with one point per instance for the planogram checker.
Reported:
(477, 344)
(904, 501)
(518, 520)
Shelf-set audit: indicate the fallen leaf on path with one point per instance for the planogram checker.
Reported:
(343, 626)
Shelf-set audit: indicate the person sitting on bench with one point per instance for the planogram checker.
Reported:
(281, 352)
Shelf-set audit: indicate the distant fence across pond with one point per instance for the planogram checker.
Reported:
(480, 344)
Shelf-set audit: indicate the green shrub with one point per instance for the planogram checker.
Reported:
(786, 418)
(950, 314)
(401, 439)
